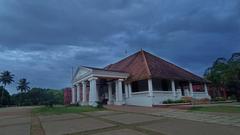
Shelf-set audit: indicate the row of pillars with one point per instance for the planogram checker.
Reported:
(118, 92)
(93, 95)
(190, 88)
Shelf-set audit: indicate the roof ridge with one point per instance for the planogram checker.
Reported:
(119, 61)
(146, 63)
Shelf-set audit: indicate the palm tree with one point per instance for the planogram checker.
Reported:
(23, 85)
(6, 78)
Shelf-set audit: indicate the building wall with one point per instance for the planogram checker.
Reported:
(140, 99)
(67, 96)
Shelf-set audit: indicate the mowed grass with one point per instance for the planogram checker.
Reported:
(220, 109)
(63, 110)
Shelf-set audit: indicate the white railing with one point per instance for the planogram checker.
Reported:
(140, 93)
(160, 96)
(200, 95)
(140, 98)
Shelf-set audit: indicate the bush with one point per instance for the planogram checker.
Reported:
(219, 99)
(169, 101)
(232, 97)
(49, 104)
(99, 104)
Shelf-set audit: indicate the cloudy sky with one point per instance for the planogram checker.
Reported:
(42, 39)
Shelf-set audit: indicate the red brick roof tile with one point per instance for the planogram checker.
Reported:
(143, 65)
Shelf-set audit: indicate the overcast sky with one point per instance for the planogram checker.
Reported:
(42, 39)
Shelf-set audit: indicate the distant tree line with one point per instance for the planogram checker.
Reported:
(26, 95)
(226, 74)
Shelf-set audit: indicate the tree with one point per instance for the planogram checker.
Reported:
(23, 85)
(226, 74)
(6, 78)
(6, 99)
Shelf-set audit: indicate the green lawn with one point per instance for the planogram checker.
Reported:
(63, 109)
(221, 109)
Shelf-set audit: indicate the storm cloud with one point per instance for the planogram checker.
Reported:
(43, 40)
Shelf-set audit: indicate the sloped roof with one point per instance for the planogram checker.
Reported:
(144, 65)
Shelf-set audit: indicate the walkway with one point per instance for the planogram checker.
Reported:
(218, 118)
(15, 121)
(126, 120)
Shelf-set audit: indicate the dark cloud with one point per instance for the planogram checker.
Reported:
(43, 40)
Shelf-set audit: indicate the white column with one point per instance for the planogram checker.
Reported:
(126, 91)
(150, 87)
(73, 95)
(120, 91)
(206, 89)
(109, 93)
(93, 97)
(84, 93)
(173, 88)
(78, 93)
(116, 91)
(191, 89)
(130, 90)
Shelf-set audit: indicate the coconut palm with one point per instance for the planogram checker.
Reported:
(6, 78)
(23, 85)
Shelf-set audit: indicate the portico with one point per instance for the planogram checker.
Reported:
(89, 82)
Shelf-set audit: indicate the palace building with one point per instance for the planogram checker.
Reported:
(140, 79)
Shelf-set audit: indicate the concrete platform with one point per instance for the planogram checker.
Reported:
(102, 113)
(23, 129)
(121, 132)
(60, 117)
(131, 118)
(14, 121)
(73, 126)
(186, 127)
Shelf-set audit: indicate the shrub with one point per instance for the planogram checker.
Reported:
(219, 99)
(232, 97)
(99, 104)
(169, 101)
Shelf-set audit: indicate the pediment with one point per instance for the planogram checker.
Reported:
(81, 72)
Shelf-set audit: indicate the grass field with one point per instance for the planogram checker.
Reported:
(63, 109)
(221, 109)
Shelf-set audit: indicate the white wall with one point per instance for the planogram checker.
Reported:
(200, 95)
(140, 99)
(160, 96)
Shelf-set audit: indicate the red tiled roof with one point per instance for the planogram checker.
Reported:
(143, 65)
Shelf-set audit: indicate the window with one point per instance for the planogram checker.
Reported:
(161, 85)
(139, 86)
(123, 87)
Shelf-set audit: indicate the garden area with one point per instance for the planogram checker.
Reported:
(220, 109)
(60, 109)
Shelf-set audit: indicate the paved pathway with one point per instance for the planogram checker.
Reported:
(218, 118)
(15, 121)
(142, 122)
(126, 121)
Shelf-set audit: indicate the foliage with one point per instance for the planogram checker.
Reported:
(63, 109)
(219, 99)
(5, 98)
(23, 85)
(6, 78)
(169, 101)
(39, 96)
(99, 104)
(226, 74)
